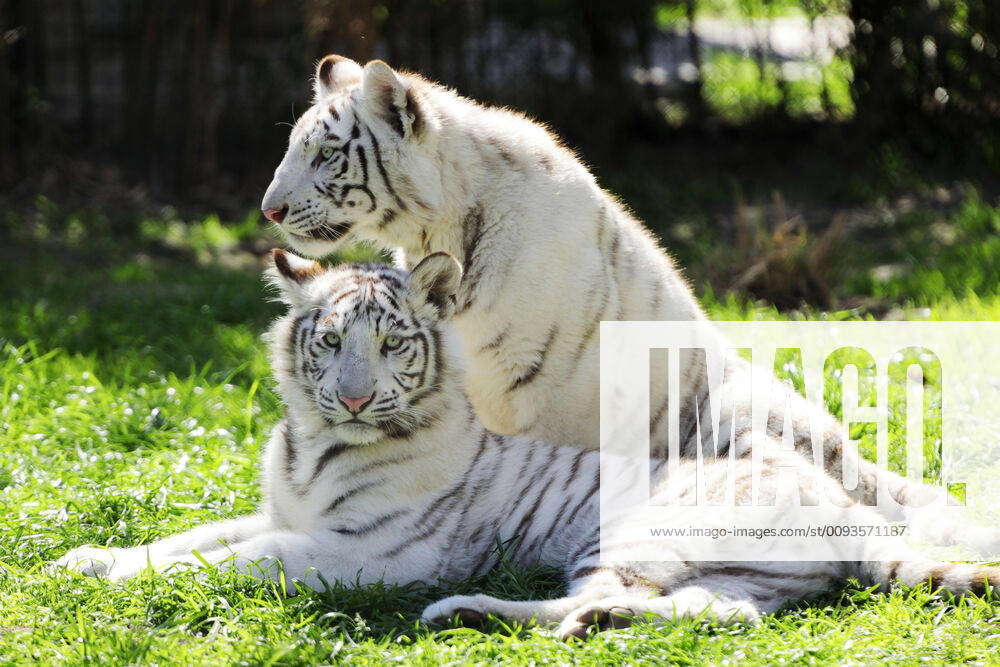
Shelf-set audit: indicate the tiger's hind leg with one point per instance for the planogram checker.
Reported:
(589, 584)
(694, 601)
(472, 610)
(586, 584)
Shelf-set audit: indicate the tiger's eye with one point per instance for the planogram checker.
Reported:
(331, 339)
(326, 152)
(392, 342)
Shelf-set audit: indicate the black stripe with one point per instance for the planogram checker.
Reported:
(422, 346)
(439, 364)
(390, 279)
(349, 494)
(530, 514)
(588, 570)
(332, 452)
(586, 496)
(555, 521)
(363, 159)
(744, 572)
(453, 499)
(594, 550)
(354, 289)
(472, 233)
(657, 287)
(496, 342)
(536, 367)
(574, 468)
(293, 335)
(440, 500)
(613, 250)
(484, 482)
(657, 414)
(504, 151)
(371, 525)
(532, 481)
(630, 577)
(372, 465)
(291, 454)
(381, 170)
(388, 216)
(588, 547)
(595, 322)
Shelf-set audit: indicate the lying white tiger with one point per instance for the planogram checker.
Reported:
(397, 161)
(381, 471)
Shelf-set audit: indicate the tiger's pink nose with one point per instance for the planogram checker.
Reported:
(355, 404)
(276, 214)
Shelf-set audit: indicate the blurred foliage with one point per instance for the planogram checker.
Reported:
(186, 96)
(925, 254)
(933, 63)
(777, 173)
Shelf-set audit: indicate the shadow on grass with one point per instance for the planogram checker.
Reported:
(137, 315)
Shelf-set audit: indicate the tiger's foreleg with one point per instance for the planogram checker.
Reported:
(313, 559)
(100, 561)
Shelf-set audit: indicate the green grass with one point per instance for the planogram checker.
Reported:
(134, 399)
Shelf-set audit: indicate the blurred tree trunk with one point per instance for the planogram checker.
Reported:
(604, 53)
(695, 88)
(11, 104)
(207, 64)
(196, 62)
(142, 134)
(25, 44)
(83, 88)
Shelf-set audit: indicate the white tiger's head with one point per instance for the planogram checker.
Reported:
(364, 350)
(356, 159)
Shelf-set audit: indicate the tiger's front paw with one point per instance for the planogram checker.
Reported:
(91, 561)
(113, 563)
(468, 609)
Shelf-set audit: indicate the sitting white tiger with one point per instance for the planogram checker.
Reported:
(392, 159)
(381, 471)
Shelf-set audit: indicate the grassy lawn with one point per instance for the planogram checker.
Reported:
(134, 400)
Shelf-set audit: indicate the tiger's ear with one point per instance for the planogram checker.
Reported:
(291, 273)
(392, 100)
(334, 72)
(435, 280)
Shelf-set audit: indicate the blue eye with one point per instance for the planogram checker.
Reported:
(331, 339)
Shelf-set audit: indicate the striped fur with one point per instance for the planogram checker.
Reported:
(547, 256)
(420, 490)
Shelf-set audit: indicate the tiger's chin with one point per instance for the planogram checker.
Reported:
(354, 433)
(311, 247)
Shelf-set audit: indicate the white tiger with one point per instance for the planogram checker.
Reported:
(381, 471)
(391, 159)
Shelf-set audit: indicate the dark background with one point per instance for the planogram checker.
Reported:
(762, 166)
